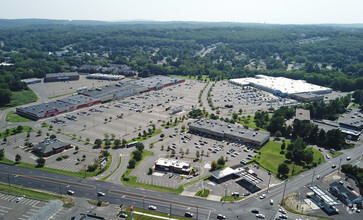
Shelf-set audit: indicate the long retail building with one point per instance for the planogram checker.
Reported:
(97, 95)
(228, 131)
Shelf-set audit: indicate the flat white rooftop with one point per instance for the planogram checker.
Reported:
(282, 84)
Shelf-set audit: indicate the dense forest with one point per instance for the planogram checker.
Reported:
(323, 55)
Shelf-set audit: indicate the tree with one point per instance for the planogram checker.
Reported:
(87, 139)
(53, 136)
(132, 164)
(98, 142)
(283, 169)
(150, 171)
(308, 156)
(113, 136)
(2, 154)
(221, 161)
(17, 158)
(107, 143)
(137, 155)
(117, 143)
(124, 142)
(39, 132)
(106, 135)
(172, 152)
(214, 165)
(197, 154)
(283, 146)
(140, 146)
(76, 148)
(41, 162)
(162, 135)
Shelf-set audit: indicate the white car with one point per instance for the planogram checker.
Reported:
(263, 196)
(19, 199)
(260, 216)
(70, 192)
(101, 194)
(271, 202)
(152, 207)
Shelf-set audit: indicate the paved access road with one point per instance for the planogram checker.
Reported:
(119, 194)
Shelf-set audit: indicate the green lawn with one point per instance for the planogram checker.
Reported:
(336, 153)
(270, 158)
(20, 98)
(12, 131)
(204, 77)
(13, 117)
(249, 121)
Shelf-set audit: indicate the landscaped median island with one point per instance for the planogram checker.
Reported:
(203, 193)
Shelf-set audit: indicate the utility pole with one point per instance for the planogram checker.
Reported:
(143, 206)
(60, 190)
(9, 179)
(312, 178)
(197, 212)
(85, 171)
(340, 162)
(170, 210)
(269, 180)
(283, 194)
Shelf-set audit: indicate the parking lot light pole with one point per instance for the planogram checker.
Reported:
(269, 180)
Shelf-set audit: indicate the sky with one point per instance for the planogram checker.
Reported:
(246, 11)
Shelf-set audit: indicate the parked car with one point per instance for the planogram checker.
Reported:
(19, 199)
(317, 176)
(260, 216)
(348, 158)
(271, 202)
(122, 215)
(246, 194)
(220, 216)
(282, 211)
(254, 211)
(283, 216)
(333, 166)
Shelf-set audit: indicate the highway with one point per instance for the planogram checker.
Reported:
(206, 209)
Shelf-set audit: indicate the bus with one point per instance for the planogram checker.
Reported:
(131, 144)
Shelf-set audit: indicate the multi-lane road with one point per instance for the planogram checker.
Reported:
(167, 202)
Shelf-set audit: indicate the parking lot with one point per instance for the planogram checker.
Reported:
(15, 207)
(128, 117)
(226, 97)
